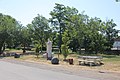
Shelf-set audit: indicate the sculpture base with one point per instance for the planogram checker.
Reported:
(49, 58)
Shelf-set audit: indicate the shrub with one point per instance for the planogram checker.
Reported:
(65, 51)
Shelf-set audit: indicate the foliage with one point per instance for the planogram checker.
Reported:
(69, 28)
(64, 51)
(110, 33)
(7, 28)
(39, 30)
(84, 32)
(25, 38)
(60, 17)
(94, 38)
(117, 0)
(66, 41)
(57, 20)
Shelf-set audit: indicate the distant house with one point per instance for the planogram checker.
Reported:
(116, 45)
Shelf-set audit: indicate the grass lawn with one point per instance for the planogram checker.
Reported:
(112, 62)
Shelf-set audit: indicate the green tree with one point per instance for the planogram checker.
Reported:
(77, 26)
(110, 33)
(7, 28)
(94, 40)
(64, 46)
(25, 38)
(60, 18)
(14, 39)
(40, 31)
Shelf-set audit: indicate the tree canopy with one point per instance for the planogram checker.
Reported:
(67, 27)
(39, 30)
(7, 29)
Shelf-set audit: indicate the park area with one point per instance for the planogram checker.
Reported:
(111, 63)
(67, 40)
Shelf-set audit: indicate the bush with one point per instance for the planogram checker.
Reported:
(65, 51)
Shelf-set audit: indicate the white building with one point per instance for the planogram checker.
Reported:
(116, 45)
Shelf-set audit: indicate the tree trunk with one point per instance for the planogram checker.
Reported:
(60, 42)
(58, 55)
(24, 49)
(96, 51)
(60, 37)
(1, 46)
(41, 47)
(0, 49)
(80, 50)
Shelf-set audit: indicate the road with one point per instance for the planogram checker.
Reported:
(11, 71)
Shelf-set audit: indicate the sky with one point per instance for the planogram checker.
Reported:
(25, 10)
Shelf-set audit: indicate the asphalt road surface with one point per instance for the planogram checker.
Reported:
(11, 71)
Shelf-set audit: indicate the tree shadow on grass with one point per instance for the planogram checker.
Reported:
(109, 56)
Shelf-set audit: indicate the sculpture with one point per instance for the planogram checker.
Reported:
(49, 49)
